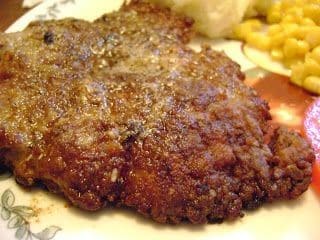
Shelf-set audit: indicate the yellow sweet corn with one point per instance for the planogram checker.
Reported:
(313, 36)
(277, 54)
(292, 37)
(312, 83)
(298, 74)
(315, 54)
(258, 40)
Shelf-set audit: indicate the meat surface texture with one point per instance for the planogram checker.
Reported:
(120, 112)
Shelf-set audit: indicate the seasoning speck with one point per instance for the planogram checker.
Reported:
(48, 37)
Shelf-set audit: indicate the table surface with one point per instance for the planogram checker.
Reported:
(10, 10)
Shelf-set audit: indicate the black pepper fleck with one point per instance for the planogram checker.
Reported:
(48, 37)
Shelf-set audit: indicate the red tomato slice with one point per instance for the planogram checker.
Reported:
(312, 130)
(316, 176)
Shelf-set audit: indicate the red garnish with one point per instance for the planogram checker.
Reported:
(312, 130)
(316, 176)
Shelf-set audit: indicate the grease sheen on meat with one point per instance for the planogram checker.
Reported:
(121, 112)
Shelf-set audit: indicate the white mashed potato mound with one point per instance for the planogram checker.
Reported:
(214, 18)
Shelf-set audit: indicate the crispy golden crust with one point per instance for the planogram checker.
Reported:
(121, 112)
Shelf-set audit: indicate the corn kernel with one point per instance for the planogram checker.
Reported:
(315, 54)
(255, 24)
(278, 39)
(286, 4)
(312, 83)
(290, 29)
(300, 2)
(243, 29)
(290, 62)
(274, 29)
(240, 31)
(312, 66)
(277, 54)
(288, 19)
(312, 11)
(290, 47)
(298, 74)
(295, 11)
(303, 31)
(258, 40)
(313, 36)
(274, 14)
(303, 47)
(307, 22)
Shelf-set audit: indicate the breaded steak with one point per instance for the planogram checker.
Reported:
(121, 112)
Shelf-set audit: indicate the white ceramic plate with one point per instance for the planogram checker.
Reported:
(264, 60)
(37, 214)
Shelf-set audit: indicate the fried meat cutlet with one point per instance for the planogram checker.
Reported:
(121, 112)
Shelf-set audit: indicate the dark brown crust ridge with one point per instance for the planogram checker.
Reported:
(121, 112)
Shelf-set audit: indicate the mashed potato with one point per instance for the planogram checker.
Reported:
(216, 18)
